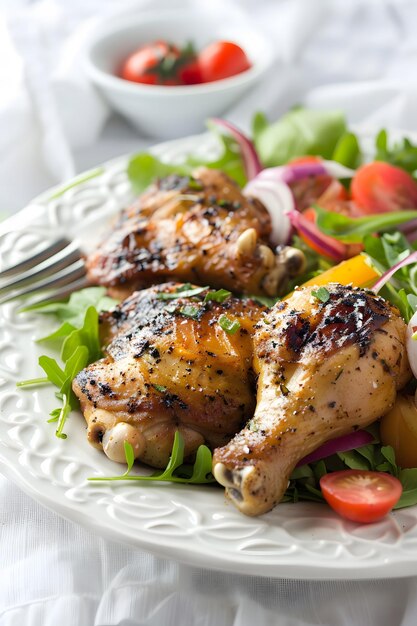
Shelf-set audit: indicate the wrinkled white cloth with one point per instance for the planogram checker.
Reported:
(352, 55)
(56, 572)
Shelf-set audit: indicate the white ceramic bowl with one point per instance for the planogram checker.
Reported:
(161, 111)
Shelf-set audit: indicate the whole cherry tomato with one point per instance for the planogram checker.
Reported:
(153, 64)
(222, 59)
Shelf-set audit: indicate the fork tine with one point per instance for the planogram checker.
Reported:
(49, 266)
(64, 277)
(64, 292)
(35, 259)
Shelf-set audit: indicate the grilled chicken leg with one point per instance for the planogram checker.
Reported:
(200, 229)
(170, 366)
(325, 369)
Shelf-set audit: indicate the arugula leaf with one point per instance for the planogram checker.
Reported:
(347, 151)
(175, 471)
(299, 132)
(87, 336)
(408, 479)
(79, 336)
(402, 154)
(386, 251)
(54, 372)
(73, 310)
(353, 229)
(144, 168)
(353, 460)
(130, 456)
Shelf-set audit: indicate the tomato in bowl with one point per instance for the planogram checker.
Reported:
(174, 110)
(164, 63)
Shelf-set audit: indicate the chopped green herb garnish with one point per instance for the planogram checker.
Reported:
(229, 326)
(190, 311)
(175, 471)
(184, 293)
(195, 184)
(217, 296)
(160, 388)
(321, 294)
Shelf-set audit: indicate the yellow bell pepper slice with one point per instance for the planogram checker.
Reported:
(354, 271)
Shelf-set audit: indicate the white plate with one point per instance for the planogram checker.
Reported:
(192, 524)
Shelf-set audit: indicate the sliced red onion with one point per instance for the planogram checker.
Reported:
(332, 248)
(411, 258)
(337, 170)
(290, 173)
(298, 171)
(340, 444)
(409, 229)
(412, 344)
(270, 186)
(278, 199)
(411, 236)
(250, 157)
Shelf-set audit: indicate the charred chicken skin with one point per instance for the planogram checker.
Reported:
(199, 229)
(324, 369)
(169, 366)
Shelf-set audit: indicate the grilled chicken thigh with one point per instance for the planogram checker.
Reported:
(325, 369)
(199, 229)
(170, 366)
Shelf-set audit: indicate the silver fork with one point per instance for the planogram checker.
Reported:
(54, 272)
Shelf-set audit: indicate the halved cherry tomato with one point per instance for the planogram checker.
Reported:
(398, 428)
(151, 64)
(380, 187)
(222, 59)
(361, 496)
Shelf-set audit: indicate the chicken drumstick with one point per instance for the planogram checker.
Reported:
(325, 369)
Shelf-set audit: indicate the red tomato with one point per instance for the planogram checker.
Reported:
(307, 191)
(361, 496)
(151, 64)
(190, 74)
(379, 187)
(222, 59)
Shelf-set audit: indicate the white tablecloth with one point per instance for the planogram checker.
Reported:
(361, 56)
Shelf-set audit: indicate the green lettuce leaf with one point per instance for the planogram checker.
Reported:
(144, 168)
(300, 132)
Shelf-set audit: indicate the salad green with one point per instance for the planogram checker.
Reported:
(298, 133)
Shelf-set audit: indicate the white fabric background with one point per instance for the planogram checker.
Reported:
(361, 56)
